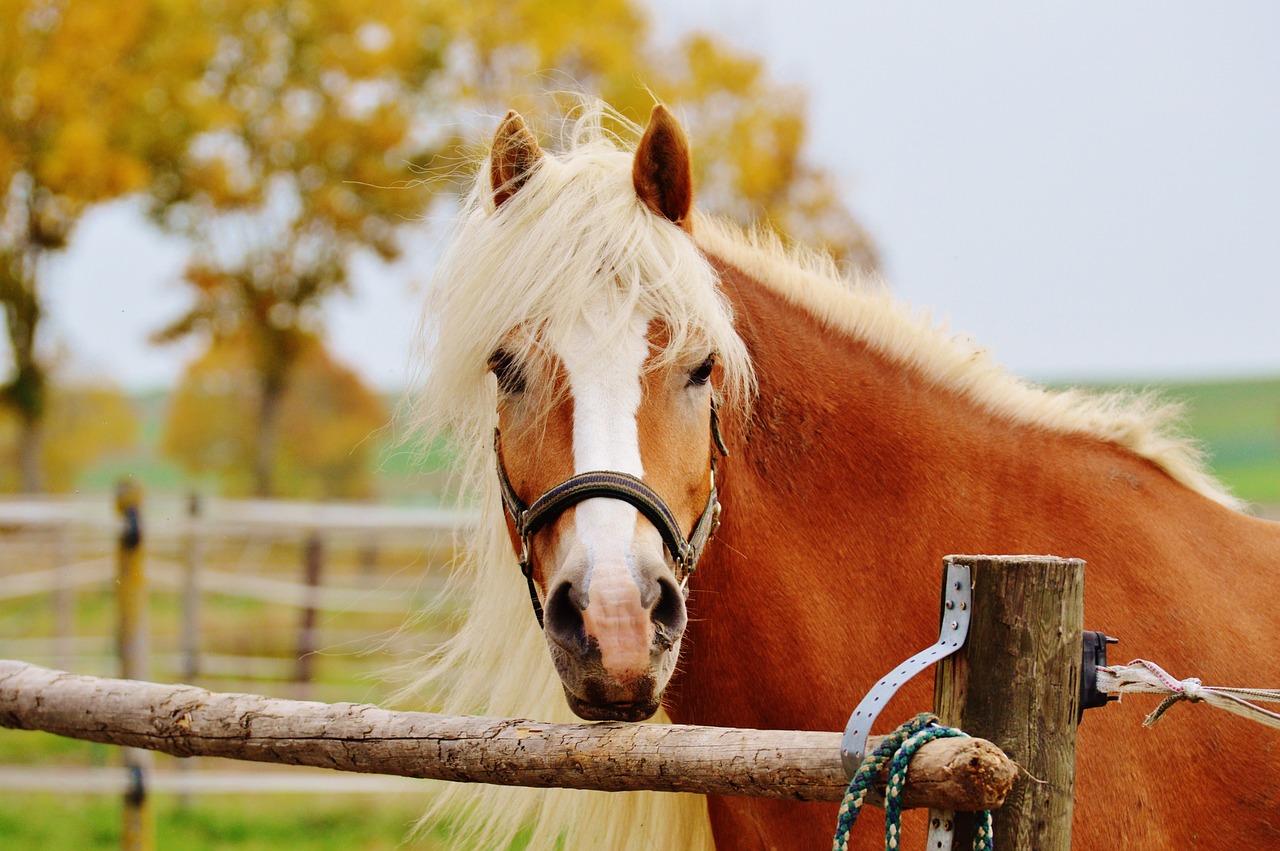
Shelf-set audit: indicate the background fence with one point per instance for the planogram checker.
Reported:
(289, 599)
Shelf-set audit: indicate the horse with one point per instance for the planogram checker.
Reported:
(717, 478)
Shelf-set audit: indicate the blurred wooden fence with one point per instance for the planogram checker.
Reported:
(309, 565)
(228, 549)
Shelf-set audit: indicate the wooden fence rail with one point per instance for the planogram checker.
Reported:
(959, 774)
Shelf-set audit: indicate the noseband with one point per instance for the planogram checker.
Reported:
(529, 519)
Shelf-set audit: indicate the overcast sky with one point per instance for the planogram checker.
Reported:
(1092, 191)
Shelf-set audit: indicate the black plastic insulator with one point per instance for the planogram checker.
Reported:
(1094, 656)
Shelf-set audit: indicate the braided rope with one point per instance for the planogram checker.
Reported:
(1144, 677)
(896, 750)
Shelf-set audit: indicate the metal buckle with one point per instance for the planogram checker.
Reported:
(526, 557)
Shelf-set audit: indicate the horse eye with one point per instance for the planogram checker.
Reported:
(505, 368)
(702, 374)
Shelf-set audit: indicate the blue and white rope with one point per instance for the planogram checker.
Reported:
(896, 750)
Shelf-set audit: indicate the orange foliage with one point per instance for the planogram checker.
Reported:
(282, 137)
(83, 424)
(326, 426)
(80, 122)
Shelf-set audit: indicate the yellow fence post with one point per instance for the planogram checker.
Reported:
(137, 828)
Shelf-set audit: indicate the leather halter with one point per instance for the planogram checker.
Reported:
(529, 519)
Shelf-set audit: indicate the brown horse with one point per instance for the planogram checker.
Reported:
(648, 364)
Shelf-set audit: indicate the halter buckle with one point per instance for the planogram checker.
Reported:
(526, 560)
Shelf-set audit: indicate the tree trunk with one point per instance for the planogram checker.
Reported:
(30, 450)
(267, 434)
(26, 391)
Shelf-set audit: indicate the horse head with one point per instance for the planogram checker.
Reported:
(605, 380)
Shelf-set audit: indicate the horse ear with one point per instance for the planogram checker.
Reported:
(663, 172)
(514, 154)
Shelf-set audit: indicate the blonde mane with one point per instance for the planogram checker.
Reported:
(1141, 423)
(574, 227)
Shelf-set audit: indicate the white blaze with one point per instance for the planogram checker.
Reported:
(605, 383)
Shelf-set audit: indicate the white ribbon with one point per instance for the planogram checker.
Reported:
(1143, 677)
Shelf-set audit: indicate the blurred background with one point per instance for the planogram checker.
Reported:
(216, 217)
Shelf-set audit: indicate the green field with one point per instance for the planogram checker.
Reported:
(363, 822)
(1238, 424)
(403, 474)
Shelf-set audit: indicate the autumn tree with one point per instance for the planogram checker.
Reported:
(749, 130)
(82, 112)
(327, 423)
(82, 423)
(328, 127)
(314, 116)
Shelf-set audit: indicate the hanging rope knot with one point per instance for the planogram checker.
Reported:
(1191, 689)
(1143, 676)
(896, 751)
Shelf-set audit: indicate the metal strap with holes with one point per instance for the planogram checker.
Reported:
(955, 628)
(956, 609)
(957, 600)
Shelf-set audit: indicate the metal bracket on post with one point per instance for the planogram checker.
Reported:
(956, 604)
(956, 610)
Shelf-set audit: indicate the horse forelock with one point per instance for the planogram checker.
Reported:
(574, 232)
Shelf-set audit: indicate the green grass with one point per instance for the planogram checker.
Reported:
(1238, 423)
(276, 822)
(32, 747)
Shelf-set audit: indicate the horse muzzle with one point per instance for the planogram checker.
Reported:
(615, 649)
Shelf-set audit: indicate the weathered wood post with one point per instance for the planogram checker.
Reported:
(1016, 682)
(137, 828)
(313, 567)
(64, 595)
(194, 558)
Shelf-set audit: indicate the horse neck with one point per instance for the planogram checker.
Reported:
(812, 489)
(850, 479)
(840, 428)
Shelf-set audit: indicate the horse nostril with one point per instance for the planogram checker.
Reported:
(669, 615)
(564, 617)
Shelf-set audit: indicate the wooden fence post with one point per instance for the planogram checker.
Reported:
(137, 828)
(191, 589)
(313, 567)
(1016, 682)
(64, 595)
(193, 559)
